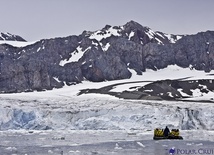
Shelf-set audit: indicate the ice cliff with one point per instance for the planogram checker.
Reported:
(103, 114)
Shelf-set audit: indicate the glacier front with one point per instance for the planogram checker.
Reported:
(103, 113)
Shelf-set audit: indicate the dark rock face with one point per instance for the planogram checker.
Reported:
(106, 66)
(193, 50)
(107, 54)
(10, 37)
(196, 50)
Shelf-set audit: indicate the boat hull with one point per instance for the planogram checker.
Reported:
(169, 137)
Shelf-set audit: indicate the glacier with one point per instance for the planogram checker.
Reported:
(102, 113)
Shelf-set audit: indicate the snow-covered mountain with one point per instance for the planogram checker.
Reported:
(133, 32)
(10, 37)
(104, 55)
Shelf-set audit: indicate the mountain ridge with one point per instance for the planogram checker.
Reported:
(106, 54)
(11, 37)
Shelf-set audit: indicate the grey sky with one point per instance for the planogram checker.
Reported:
(37, 19)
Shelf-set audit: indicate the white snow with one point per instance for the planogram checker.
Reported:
(38, 49)
(197, 95)
(95, 43)
(150, 33)
(178, 37)
(159, 41)
(176, 72)
(196, 92)
(105, 48)
(182, 93)
(55, 78)
(169, 36)
(128, 87)
(149, 90)
(169, 94)
(83, 62)
(160, 35)
(76, 55)
(17, 43)
(172, 40)
(98, 35)
(131, 35)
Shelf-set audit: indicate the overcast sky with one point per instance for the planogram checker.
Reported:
(38, 19)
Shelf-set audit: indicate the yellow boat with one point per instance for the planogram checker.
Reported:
(159, 134)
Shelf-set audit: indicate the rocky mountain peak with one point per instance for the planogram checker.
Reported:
(144, 34)
(10, 37)
(132, 31)
(133, 25)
